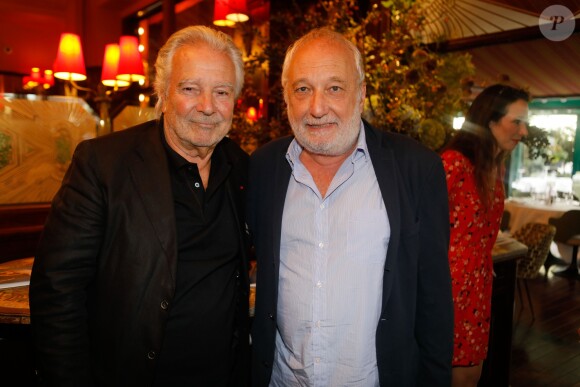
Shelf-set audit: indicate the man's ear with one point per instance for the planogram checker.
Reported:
(363, 95)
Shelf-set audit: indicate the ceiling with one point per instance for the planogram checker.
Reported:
(548, 69)
(536, 7)
(505, 41)
(460, 19)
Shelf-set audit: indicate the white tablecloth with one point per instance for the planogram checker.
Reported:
(523, 211)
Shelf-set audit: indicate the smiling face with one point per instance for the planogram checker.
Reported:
(324, 97)
(198, 110)
(510, 129)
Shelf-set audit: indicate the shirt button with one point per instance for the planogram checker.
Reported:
(151, 355)
(321, 245)
(196, 184)
(319, 284)
(164, 304)
(317, 360)
(318, 324)
(322, 206)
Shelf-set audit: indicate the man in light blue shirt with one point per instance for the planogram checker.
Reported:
(332, 255)
(351, 231)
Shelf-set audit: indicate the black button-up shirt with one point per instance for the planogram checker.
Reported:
(197, 349)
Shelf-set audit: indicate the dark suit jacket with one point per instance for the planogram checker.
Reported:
(414, 338)
(105, 270)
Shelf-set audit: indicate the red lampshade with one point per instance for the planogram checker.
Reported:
(110, 64)
(70, 63)
(220, 11)
(238, 11)
(130, 67)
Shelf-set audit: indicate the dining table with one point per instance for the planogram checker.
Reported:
(14, 281)
(525, 210)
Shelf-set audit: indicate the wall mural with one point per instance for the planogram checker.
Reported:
(37, 140)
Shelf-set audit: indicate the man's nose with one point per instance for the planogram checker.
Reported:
(318, 104)
(205, 103)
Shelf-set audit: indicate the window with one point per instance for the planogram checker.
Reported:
(538, 176)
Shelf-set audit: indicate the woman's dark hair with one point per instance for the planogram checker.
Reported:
(475, 140)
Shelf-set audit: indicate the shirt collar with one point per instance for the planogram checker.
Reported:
(361, 151)
(177, 161)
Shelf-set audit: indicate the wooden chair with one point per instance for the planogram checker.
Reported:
(538, 237)
(568, 233)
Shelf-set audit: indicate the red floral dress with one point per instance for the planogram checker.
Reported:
(473, 233)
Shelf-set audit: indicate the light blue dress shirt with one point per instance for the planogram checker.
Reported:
(332, 257)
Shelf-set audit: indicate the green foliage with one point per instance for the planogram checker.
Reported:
(561, 146)
(410, 86)
(432, 133)
(537, 143)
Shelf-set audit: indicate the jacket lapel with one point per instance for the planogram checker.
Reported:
(385, 167)
(280, 186)
(149, 173)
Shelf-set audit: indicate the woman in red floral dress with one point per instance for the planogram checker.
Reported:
(474, 164)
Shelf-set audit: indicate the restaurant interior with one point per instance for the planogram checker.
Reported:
(72, 70)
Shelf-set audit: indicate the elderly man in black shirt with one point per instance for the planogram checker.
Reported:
(141, 275)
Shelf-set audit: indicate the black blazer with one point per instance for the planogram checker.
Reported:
(414, 338)
(105, 270)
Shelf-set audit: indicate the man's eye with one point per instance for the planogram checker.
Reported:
(302, 89)
(335, 88)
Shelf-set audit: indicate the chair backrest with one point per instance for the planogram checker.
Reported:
(538, 237)
(567, 225)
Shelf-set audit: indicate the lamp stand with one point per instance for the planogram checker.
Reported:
(70, 90)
